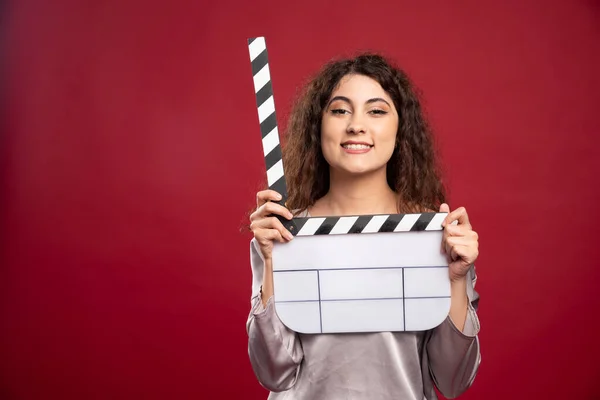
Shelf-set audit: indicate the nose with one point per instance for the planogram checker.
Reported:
(356, 125)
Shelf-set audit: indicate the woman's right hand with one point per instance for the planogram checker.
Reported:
(265, 226)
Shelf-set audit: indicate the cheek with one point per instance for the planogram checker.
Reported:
(327, 128)
(327, 148)
(388, 140)
(388, 135)
(329, 138)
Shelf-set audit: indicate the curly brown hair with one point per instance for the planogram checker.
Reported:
(412, 171)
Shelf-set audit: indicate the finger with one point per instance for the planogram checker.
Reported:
(268, 209)
(272, 223)
(444, 241)
(271, 208)
(266, 195)
(466, 253)
(452, 243)
(447, 234)
(266, 236)
(461, 240)
(458, 230)
(461, 247)
(449, 249)
(444, 208)
(460, 215)
(453, 255)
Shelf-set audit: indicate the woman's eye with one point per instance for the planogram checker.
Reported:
(339, 111)
(379, 112)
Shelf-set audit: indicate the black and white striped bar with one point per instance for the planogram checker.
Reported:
(367, 224)
(263, 90)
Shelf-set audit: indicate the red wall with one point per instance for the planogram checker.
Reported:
(132, 152)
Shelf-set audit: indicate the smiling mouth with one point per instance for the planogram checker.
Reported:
(355, 146)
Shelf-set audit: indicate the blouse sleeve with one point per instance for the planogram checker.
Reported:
(275, 350)
(454, 356)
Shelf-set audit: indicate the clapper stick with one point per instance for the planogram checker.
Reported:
(364, 273)
(267, 118)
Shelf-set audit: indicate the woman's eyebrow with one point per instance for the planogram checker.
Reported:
(342, 98)
(347, 100)
(376, 99)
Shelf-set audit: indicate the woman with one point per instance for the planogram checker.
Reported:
(358, 143)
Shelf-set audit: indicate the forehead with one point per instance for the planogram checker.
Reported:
(359, 88)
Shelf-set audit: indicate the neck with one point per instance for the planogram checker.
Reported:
(359, 195)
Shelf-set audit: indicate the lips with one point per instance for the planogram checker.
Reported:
(354, 145)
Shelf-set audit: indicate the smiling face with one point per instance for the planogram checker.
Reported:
(359, 126)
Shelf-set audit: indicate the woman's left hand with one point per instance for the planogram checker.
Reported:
(460, 242)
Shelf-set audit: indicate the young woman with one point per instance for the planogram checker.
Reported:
(358, 143)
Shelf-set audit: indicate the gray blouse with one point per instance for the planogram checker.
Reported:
(383, 365)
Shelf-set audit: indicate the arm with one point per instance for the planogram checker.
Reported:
(453, 347)
(275, 351)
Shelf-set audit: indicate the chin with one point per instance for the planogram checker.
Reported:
(358, 170)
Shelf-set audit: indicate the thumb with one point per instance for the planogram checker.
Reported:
(444, 208)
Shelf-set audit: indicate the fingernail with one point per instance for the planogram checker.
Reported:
(278, 196)
(289, 236)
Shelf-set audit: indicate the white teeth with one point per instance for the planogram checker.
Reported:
(356, 146)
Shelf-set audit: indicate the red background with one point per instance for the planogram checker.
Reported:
(131, 153)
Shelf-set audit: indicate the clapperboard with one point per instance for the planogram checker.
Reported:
(368, 273)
